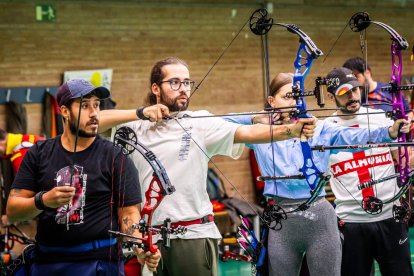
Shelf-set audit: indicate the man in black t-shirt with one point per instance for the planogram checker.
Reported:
(79, 186)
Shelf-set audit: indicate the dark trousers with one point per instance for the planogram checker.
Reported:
(86, 268)
(385, 241)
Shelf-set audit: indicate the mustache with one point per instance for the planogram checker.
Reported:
(183, 96)
(93, 121)
(352, 102)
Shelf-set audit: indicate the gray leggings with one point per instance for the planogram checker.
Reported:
(314, 232)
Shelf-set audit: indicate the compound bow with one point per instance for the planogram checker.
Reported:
(159, 187)
(307, 52)
(358, 23)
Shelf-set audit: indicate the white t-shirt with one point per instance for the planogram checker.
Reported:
(352, 167)
(186, 165)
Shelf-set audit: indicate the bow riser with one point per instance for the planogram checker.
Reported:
(303, 63)
(153, 198)
(398, 106)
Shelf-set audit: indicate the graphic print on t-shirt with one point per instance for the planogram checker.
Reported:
(363, 165)
(185, 146)
(185, 141)
(72, 213)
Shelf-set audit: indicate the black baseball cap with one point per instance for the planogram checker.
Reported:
(76, 88)
(341, 80)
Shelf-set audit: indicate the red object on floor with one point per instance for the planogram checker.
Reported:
(132, 267)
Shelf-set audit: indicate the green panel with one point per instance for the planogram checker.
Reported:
(45, 13)
(234, 268)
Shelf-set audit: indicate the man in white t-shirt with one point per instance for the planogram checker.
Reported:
(368, 234)
(184, 145)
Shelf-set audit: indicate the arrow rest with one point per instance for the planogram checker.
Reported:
(165, 230)
(130, 245)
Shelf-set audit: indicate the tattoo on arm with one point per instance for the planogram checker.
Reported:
(289, 132)
(128, 226)
(125, 221)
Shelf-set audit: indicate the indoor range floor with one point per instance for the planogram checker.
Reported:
(236, 268)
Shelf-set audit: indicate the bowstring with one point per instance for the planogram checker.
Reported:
(266, 81)
(111, 203)
(219, 170)
(334, 44)
(364, 52)
(72, 167)
(192, 93)
(344, 186)
(217, 60)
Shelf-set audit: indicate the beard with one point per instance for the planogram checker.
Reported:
(172, 103)
(81, 133)
(345, 109)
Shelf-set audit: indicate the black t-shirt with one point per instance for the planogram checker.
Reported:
(101, 175)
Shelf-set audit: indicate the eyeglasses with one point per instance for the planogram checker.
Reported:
(175, 84)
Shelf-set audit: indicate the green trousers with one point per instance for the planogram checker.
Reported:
(189, 257)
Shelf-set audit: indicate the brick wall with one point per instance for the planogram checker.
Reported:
(129, 36)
